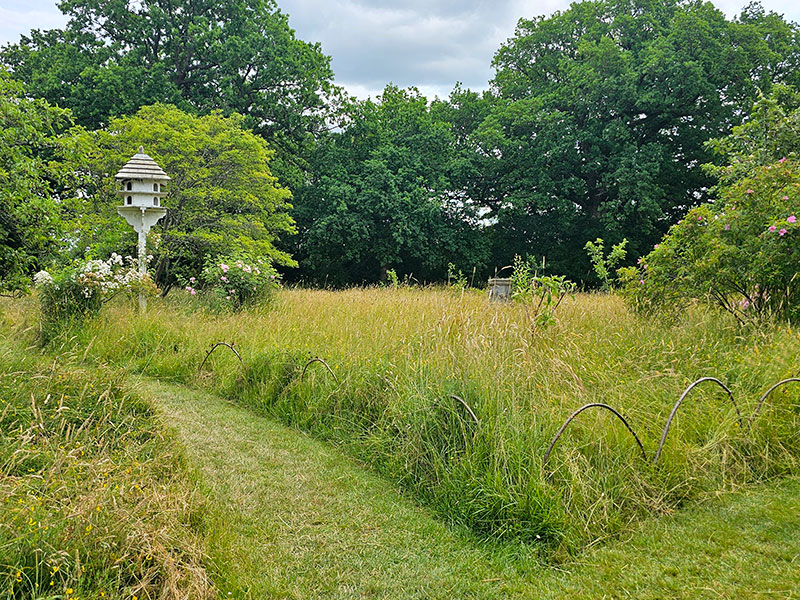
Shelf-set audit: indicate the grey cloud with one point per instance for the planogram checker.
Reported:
(427, 44)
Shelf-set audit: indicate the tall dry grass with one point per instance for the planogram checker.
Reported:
(399, 354)
(95, 501)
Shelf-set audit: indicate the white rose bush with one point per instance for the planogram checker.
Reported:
(70, 296)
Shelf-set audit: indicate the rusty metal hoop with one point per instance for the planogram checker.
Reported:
(319, 360)
(767, 393)
(217, 345)
(680, 400)
(465, 405)
(579, 411)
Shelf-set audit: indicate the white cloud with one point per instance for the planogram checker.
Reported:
(18, 18)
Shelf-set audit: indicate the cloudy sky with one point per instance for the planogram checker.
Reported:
(431, 44)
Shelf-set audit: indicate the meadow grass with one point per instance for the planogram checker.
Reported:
(293, 517)
(95, 501)
(399, 353)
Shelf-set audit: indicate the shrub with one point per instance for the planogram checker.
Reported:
(740, 254)
(77, 293)
(541, 295)
(232, 282)
(605, 265)
(742, 251)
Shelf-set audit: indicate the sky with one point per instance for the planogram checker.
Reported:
(430, 44)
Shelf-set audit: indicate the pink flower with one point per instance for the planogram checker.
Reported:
(224, 267)
(192, 280)
(782, 232)
(749, 192)
(223, 278)
(772, 228)
(783, 160)
(727, 227)
(193, 292)
(655, 247)
(188, 288)
(639, 261)
(791, 219)
(227, 297)
(700, 218)
(641, 282)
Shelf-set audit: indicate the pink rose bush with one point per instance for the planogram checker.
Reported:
(740, 253)
(234, 282)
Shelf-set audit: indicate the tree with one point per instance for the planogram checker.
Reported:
(115, 56)
(740, 252)
(222, 198)
(33, 146)
(602, 114)
(382, 197)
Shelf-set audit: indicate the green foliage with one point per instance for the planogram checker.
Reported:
(234, 282)
(383, 194)
(222, 200)
(32, 176)
(602, 114)
(541, 295)
(391, 278)
(456, 278)
(114, 57)
(605, 265)
(742, 251)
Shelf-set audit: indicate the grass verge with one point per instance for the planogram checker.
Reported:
(95, 501)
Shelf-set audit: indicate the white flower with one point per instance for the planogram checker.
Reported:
(42, 278)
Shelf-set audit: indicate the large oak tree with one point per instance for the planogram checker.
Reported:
(602, 114)
(238, 56)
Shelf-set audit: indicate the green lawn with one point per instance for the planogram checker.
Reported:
(295, 518)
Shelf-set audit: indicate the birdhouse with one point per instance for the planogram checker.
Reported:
(141, 186)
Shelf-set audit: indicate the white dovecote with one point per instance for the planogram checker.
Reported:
(141, 185)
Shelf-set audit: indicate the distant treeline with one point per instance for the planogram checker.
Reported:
(595, 125)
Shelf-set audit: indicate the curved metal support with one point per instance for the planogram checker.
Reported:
(465, 405)
(767, 393)
(579, 411)
(678, 403)
(319, 360)
(217, 345)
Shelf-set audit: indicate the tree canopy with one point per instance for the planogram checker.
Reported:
(116, 56)
(595, 126)
(602, 114)
(222, 198)
(384, 196)
(32, 177)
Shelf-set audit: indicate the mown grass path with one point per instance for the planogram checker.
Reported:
(293, 518)
(300, 520)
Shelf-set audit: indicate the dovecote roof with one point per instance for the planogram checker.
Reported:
(141, 166)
